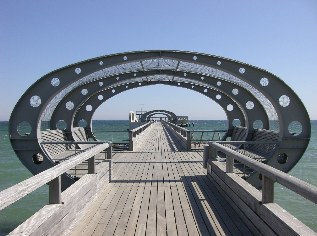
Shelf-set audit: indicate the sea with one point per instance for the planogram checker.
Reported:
(13, 172)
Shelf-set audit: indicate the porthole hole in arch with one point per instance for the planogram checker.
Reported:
(236, 122)
(37, 158)
(100, 84)
(264, 81)
(295, 128)
(218, 96)
(242, 70)
(77, 71)
(113, 90)
(229, 107)
(284, 100)
(55, 82)
(35, 101)
(219, 83)
(24, 128)
(235, 91)
(205, 90)
(89, 108)
(61, 124)
(258, 124)
(249, 105)
(70, 105)
(100, 97)
(82, 123)
(84, 92)
(282, 158)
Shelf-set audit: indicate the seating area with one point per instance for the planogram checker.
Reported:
(261, 146)
(58, 152)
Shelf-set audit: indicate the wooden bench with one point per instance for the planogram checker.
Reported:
(59, 148)
(238, 133)
(264, 146)
(56, 152)
(79, 135)
(261, 147)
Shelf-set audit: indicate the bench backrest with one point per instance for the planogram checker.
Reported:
(239, 133)
(79, 135)
(262, 135)
(54, 136)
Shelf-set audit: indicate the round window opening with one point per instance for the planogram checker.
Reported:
(236, 122)
(282, 158)
(258, 124)
(230, 107)
(82, 123)
(38, 158)
(89, 108)
(24, 128)
(295, 128)
(61, 124)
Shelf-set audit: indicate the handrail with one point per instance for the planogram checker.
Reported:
(209, 131)
(72, 142)
(269, 176)
(142, 126)
(136, 131)
(247, 142)
(16, 192)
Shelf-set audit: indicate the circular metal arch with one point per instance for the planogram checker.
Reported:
(233, 80)
(83, 115)
(147, 115)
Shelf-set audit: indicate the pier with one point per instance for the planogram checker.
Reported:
(166, 182)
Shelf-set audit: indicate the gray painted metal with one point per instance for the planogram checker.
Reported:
(74, 92)
(147, 115)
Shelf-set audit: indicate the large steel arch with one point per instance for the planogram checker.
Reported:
(106, 94)
(256, 113)
(252, 90)
(147, 115)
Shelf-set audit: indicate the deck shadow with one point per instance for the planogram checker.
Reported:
(206, 195)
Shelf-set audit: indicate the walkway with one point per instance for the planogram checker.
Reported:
(157, 191)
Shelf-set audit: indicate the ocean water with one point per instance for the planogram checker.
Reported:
(12, 172)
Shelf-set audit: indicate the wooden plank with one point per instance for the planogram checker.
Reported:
(221, 209)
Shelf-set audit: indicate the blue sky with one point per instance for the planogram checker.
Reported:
(37, 37)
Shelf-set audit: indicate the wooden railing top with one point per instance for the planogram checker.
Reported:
(298, 186)
(16, 192)
(142, 126)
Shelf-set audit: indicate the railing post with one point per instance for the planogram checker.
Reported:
(130, 140)
(189, 141)
(267, 190)
(109, 151)
(229, 164)
(213, 153)
(91, 165)
(205, 156)
(55, 191)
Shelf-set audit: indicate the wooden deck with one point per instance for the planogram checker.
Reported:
(158, 190)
